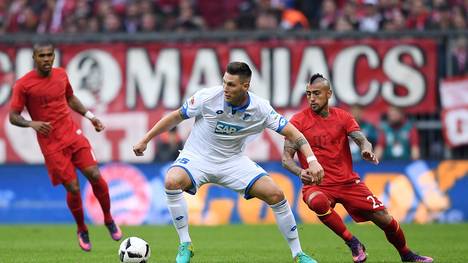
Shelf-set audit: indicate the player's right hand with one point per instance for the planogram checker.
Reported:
(139, 149)
(41, 127)
(316, 171)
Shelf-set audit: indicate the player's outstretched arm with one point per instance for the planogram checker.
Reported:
(367, 152)
(39, 126)
(76, 105)
(314, 173)
(287, 159)
(166, 123)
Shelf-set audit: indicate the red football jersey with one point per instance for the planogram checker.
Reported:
(328, 138)
(45, 99)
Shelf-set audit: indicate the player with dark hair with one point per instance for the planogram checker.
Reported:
(327, 130)
(47, 95)
(225, 116)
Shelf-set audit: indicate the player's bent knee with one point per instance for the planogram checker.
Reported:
(276, 196)
(171, 183)
(319, 203)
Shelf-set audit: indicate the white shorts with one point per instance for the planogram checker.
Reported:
(237, 173)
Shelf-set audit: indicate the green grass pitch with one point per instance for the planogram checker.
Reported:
(233, 243)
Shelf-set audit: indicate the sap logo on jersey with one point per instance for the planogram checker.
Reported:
(226, 128)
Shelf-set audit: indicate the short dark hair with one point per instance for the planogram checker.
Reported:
(239, 68)
(42, 44)
(317, 77)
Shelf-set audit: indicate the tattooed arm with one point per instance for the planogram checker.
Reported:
(367, 152)
(288, 158)
(294, 142)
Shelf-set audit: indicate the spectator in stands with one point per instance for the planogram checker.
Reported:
(396, 23)
(367, 128)
(132, 17)
(418, 16)
(441, 18)
(343, 24)
(188, 20)
(350, 11)
(328, 15)
(293, 19)
(389, 8)
(230, 25)
(399, 139)
(458, 18)
(459, 57)
(267, 20)
(372, 19)
(112, 23)
(149, 22)
(93, 25)
(247, 16)
(219, 13)
(168, 146)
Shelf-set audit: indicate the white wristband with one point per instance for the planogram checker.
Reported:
(89, 115)
(311, 158)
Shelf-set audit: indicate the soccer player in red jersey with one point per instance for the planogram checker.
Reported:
(47, 95)
(327, 130)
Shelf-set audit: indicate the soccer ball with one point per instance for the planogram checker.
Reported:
(134, 250)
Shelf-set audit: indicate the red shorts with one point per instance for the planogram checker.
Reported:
(61, 165)
(355, 197)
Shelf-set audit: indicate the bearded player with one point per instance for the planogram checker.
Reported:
(327, 130)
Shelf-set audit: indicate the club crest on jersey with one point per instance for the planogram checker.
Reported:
(226, 128)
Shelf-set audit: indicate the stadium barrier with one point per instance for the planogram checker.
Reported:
(421, 191)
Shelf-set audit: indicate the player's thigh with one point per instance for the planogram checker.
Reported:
(82, 154)
(186, 173)
(60, 167)
(240, 174)
(267, 190)
(359, 201)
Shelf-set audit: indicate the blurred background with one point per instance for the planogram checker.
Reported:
(399, 66)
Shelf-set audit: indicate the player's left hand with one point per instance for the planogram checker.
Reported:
(98, 126)
(306, 177)
(369, 156)
(316, 171)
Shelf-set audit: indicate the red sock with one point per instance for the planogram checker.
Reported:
(396, 237)
(74, 204)
(335, 223)
(101, 192)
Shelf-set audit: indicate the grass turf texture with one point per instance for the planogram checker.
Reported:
(233, 243)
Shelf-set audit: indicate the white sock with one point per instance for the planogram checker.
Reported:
(287, 225)
(179, 212)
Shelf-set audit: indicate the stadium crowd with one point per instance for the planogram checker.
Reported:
(91, 16)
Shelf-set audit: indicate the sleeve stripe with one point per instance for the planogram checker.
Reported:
(184, 111)
(282, 124)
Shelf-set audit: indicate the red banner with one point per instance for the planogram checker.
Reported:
(454, 100)
(131, 85)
